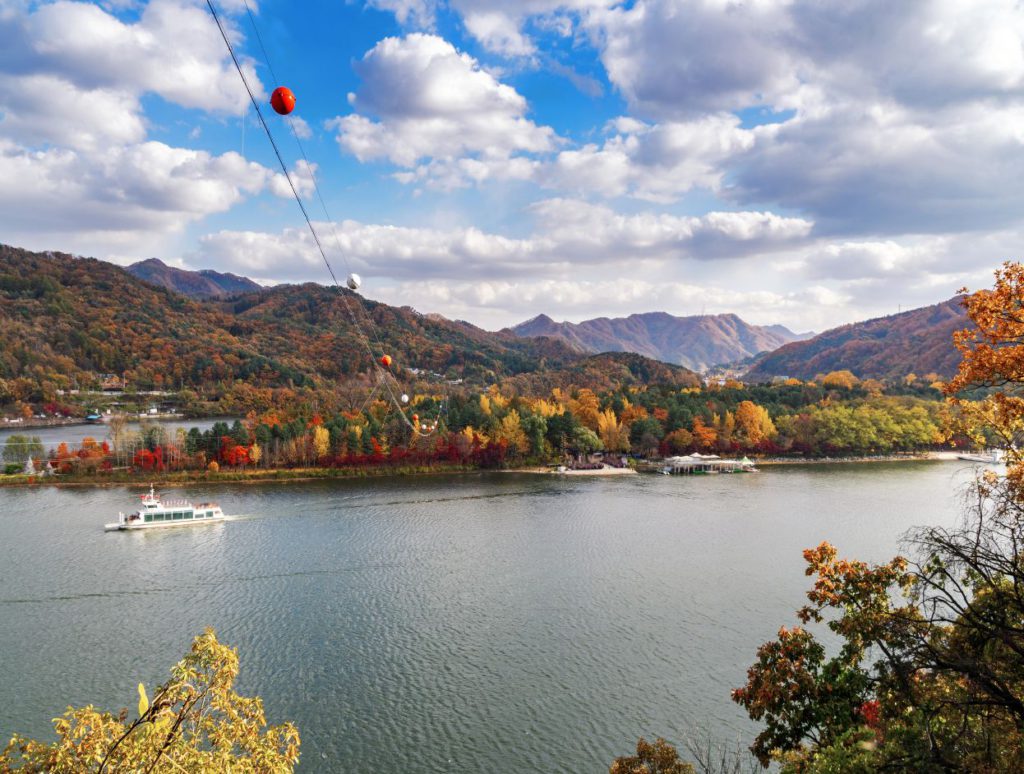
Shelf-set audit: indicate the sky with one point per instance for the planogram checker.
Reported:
(801, 162)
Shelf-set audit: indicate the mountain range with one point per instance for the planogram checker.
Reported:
(66, 320)
(696, 342)
(194, 284)
(919, 341)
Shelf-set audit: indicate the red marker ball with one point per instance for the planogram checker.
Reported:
(282, 100)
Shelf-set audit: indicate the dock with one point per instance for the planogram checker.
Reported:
(704, 464)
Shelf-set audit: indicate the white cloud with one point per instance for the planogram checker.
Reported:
(414, 12)
(571, 236)
(496, 24)
(126, 196)
(580, 229)
(680, 58)
(657, 163)
(302, 177)
(136, 186)
(40, 108)
(300, 127)
(905, 117)
(74, 160)
(886, 168)
(433, 102)
(174, 50)
(875, 260)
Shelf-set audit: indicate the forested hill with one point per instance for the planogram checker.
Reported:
(919, 341)
(196, 284)
(696, 342)
(67, 320)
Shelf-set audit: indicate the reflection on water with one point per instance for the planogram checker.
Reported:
(471, 623)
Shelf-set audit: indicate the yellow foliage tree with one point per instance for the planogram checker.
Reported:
(498, 401)
(844, 379)
(255, 453)
(613, 433)
(753, 423)
(470, 433)
(195, 722)
(546, 408)
(511, 431)
(585, 407)
(321, 441)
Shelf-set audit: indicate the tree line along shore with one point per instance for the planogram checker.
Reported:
(834, 416)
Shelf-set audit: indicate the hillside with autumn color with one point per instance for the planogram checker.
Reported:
(69, 321)
(916, 342)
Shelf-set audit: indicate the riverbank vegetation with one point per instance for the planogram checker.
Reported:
(836, 415)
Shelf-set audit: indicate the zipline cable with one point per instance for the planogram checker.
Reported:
(312, 174)
(384, 374)
(309, 169)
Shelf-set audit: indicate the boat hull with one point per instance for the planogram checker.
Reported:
(118, 527)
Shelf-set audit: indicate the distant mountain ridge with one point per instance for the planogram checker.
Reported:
(67, 320)
(697, 342)
(919, 341)
(194, 284)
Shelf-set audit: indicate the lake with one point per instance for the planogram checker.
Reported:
(481, 622)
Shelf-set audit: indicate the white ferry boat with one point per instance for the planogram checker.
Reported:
(156, 513)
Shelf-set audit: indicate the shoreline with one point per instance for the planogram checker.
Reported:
(930, 456)
(299, 475)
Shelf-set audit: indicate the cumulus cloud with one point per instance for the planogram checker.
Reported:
(150, 186)
(173, 50)
(657, 163)
(571, 236)
(302, 179)
(431, 101)
(675, 59)
(496, 24)
(903, 117)
(885, 168)
(582, 229)
(875, 260)
(74, 155)
(40, 108)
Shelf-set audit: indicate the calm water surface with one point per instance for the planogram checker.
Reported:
(478, 623)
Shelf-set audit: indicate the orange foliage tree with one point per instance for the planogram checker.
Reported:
(929, 675)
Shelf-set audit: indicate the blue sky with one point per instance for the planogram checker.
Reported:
(792, 161)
